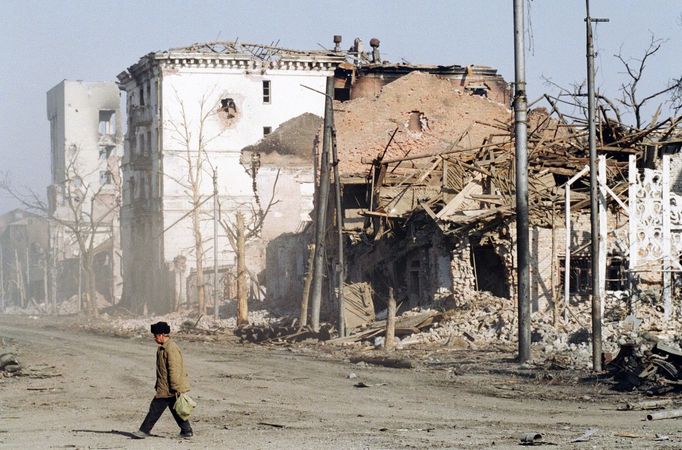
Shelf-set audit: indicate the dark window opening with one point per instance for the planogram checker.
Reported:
(106, 177)
(616, 277)
(266, 91)
(355, 196)
(228, 106)
(491, 274)
(580, 282)
(141, 96)
(342, 94)
(267, 130)
(481, 91)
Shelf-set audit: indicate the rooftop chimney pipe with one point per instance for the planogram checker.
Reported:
(376, 56)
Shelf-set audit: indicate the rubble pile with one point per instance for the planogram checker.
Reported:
(655, 368)
(9, 364)
(183, 321)
(286, 329)
(410, 323)
(487, 320)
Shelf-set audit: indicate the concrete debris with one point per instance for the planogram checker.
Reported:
(586, 435)
(9, 364)
(531, 439)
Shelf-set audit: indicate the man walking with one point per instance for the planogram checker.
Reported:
(171, 380)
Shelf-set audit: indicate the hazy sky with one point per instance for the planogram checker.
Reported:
(44, 42)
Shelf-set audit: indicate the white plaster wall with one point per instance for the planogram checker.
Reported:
(82, 103)
(189, 88)
(75, 107)
(293, 195)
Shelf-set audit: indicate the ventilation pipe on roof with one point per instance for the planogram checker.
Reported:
(376, 56)
(337, 42)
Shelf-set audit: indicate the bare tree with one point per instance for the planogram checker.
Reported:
(634, 68)
(245, 228)
(85, 212)
(193, 141)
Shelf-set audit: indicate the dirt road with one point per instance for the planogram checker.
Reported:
(82, 390)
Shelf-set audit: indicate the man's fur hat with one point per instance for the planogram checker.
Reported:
(160, 328)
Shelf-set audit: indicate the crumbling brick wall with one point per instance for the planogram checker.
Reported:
(462, 271)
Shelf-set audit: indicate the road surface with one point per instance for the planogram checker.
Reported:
(82, 390)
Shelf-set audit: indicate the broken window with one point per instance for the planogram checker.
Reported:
(580, 277)
(141, 95)
(107, 122)
(616, 277)
(490, 271)
(355, 196)
(266, 91)
(106, 177)
(229, 107)
(149, 142)
(479, 89)
(105, 151)
(267, 130)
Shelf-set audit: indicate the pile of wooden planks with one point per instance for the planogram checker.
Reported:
(407, 324)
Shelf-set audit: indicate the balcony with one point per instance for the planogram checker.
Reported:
(141, 115)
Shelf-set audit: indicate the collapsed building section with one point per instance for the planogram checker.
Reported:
(427, 176)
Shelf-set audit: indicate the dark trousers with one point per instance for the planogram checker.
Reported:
(156, 408)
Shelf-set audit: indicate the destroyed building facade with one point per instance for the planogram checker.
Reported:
(86, 142)
(427, 172)
(201, 105)
(24, 259)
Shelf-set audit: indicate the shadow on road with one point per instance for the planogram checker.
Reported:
(127, 434)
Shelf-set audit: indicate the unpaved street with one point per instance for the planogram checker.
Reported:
(82, 390)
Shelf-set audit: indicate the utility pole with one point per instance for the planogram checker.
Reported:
(340, 263)
(216, 313)
(521, 147)
(594, 212)
(321, 216)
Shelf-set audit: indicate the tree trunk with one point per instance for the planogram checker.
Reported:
(90, 286)
(242, 306)
(199, 253)
(389, 342)
(20, 280)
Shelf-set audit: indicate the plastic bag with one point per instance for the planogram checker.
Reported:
(184, 406)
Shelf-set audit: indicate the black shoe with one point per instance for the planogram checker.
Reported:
(186, 434)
